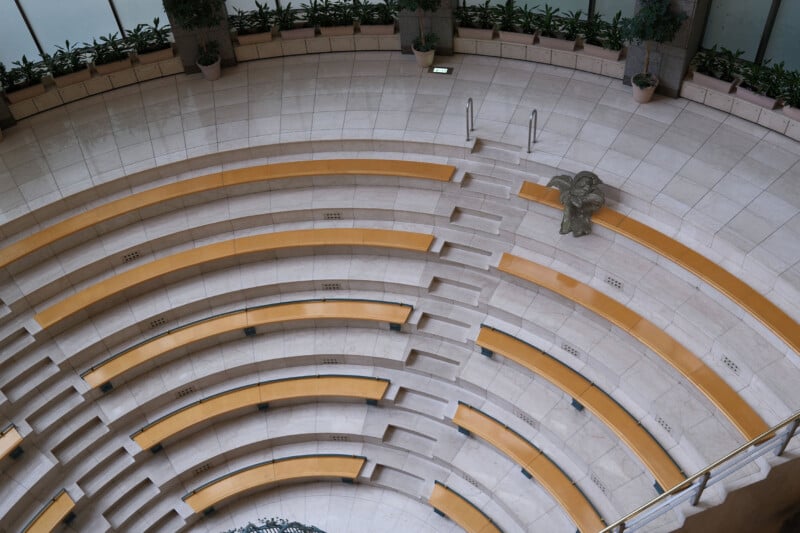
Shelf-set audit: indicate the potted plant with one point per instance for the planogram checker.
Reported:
(569, 27)
(200, 16)
(790, 94)
(762, 84)
(654, 22)
(255, 26)
(603, 39)
(290, 27)
(475, 22)
(24, 81)
(716, 69)
(547, 24)
(528, 20)
(110, 54)
(336, 18)
(377, 19)
(507, 17)
(151, 42)
(68, 65)
(424, 45)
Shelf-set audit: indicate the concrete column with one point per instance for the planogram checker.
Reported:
(670, 61)
(441, 23)
(6, 120)
(187, 44)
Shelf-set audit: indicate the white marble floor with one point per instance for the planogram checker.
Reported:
(708, 178)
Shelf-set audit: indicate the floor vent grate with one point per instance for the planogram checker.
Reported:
(525, 417)
(600, 484)
(733, 367)
(663, 423)
(570, 349)
(131, 256)
(186, 391)
(160, 321)
(331, 286)
(332, 215)
(614, 282)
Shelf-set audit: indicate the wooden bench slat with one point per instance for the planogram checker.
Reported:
(262, 393)
(769, 314)
(9, 440)
(147, 351)
(547, 473)
(460, 510)
(115, 208)
(51, 516)
(291, 469)
(403, 240)
(642, 443)
(739, 412)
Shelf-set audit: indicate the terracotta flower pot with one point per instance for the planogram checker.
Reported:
(713, 83)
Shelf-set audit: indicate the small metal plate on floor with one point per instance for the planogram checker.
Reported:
(440, 70)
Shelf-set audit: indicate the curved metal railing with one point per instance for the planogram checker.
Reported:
(692, 488)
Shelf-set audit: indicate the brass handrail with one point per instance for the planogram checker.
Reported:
(705, 474)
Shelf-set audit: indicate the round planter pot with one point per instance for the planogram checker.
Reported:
(644, 94)
(424, 59)
(213, 71)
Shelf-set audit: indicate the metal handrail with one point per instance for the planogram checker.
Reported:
(470, 117)
(705, 474)
(532, 126)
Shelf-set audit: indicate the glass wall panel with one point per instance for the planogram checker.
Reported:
(75, 20)
(736, 24)
(249, 5)
(784, 38)
(15, 40)
(135, 12)
(609, 8)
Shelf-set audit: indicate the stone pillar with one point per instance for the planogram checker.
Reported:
(187, 44)
(669, 61)
(6, 119)
(441, 23)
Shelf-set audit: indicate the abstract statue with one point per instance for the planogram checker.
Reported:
(581, 197)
